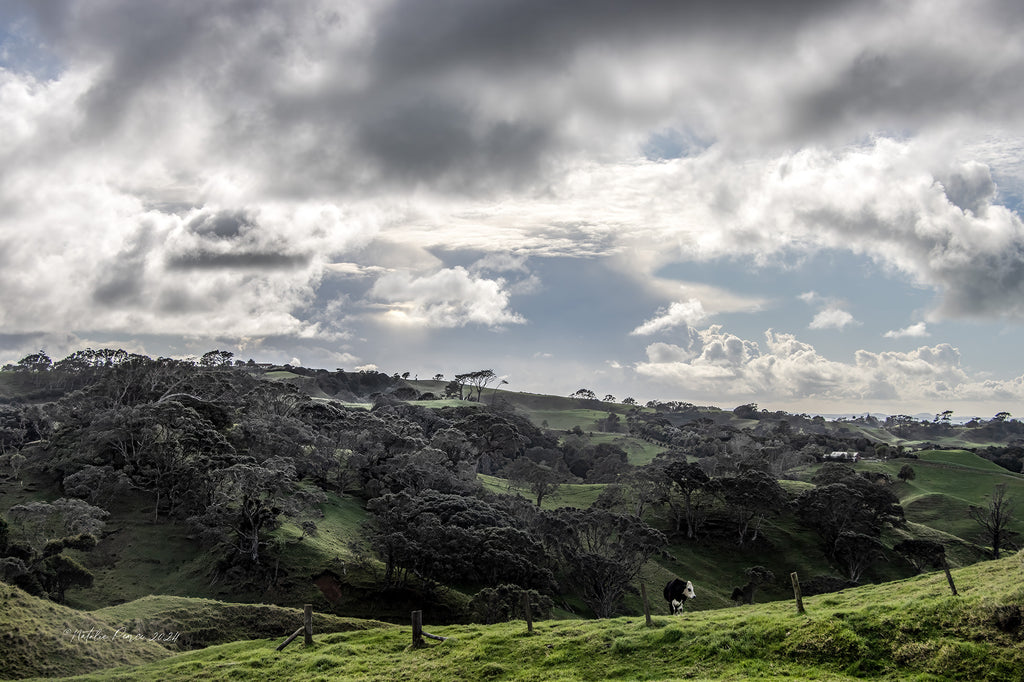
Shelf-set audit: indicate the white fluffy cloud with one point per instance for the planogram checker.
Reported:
(720, 363)
(918, 329)
(832, 318)
(448, 298)
(678, 314)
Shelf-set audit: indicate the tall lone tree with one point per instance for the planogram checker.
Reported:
(477, 381)
(995, 519)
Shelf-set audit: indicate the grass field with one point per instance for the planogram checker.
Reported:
(907, 630)
(946, 484)
(577, 495)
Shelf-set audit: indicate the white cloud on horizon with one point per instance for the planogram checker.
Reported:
(786, 369)
(917, 330)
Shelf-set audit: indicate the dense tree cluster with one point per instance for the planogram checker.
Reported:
(213, 443)
(848, 513)
(32, 543)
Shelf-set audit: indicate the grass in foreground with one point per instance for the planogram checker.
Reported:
(907, 630)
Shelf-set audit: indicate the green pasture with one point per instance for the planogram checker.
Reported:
(639, 451)
(911, 629)
(579, 495)
(946, 484)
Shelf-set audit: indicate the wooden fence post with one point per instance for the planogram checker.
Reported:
(308, 624)
(647, 604)
(949, 577)
(796, 592)
(527, 612)
(417, 628)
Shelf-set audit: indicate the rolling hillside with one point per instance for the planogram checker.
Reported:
(912, 629)
(334, 566)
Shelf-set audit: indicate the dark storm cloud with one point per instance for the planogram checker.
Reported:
(415, 119)
(223, 224)
(903, 88)
(14, 342)
(990, 286)
(419, 35)
(970, 189)
(121, 280)
(426, 138)
(205, 260)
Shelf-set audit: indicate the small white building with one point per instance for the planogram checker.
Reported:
(842, 456)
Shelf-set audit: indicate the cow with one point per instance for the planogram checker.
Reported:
(676, 593)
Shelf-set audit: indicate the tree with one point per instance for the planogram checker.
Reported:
(750, 497)
(58, 573)
(748, 411)
(42, 532)
(495, 391)
(461, 538)
(600, 551)
(693, 485)
(505, 602)
(96, 485)
(216, 358)
(538, 477)
(995, 519)
(36, 362)
(856, 552)
(477, 381)
(900, 424)
(453, 389)
(833, 472)
(248, 501)
(584, 394)
(907, 473)
(36, 524)
(852, 506)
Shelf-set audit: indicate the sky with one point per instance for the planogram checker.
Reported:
(811, 206)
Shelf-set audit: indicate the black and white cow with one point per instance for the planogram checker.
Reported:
(676, 593)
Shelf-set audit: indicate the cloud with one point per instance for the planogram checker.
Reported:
(448, 298)
(918, 329)
(500, 262)
(216, 168)
(680, 313)
(832, 318)
(785, 368)
(809, 297)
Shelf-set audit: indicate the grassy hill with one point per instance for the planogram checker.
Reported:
(911, 629)
(333, 569)
(39, 637)
(136, 557)
(946, 484)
